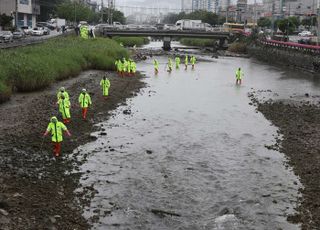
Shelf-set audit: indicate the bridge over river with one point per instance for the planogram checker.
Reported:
(168, 35)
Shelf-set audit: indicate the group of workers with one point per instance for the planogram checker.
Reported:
(126, 67)
(169, 66)
(56, 128)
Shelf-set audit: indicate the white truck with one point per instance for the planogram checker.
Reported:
(187, 24)
(58, 22)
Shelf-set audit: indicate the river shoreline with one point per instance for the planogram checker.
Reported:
(298, 139)
(35, 190)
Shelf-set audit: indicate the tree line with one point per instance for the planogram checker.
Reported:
(205, 16)
(287, 25)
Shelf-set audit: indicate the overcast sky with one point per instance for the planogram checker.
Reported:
(169, 3)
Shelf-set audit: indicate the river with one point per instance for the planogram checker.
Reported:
(190, 144)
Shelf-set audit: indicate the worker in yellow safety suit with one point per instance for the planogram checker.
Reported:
(169, 65)
(105, 84)
(124, 66)
(62, 91)
(193, 61)
(116, 65)
(177, 59)
(186, 62)
(84, 31)
(239, 76)
(56, 128)
(119, 67)
(133, 67)
(64, 109)
(156, 66)
(85, 102)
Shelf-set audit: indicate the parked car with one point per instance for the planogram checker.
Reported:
(18, 34)
(27, 30)
(305, 33)
(6, 36)
(46, 30)
(37, 31)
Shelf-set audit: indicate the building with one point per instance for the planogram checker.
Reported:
(24, 12)
(207, 5)
(283, 8)
(241, 10)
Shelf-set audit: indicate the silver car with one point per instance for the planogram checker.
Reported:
(6, 36)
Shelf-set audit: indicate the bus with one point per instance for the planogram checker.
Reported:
(238, 27)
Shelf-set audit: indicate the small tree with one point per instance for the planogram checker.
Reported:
(5, 21)
(264, 22)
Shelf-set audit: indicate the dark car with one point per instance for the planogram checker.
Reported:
(46, 30)
(6, 36)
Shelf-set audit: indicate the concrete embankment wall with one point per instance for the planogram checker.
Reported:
(283, 57)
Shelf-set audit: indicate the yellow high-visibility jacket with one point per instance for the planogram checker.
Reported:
(84, 100)
(56, 130)
(105, 84)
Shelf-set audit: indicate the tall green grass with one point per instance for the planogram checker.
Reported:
(35, 67)
(131, 41)
(198, 42)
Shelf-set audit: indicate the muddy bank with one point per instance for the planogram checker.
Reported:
(36, 191)
(299, 134)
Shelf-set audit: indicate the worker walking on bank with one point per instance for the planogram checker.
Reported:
(105, 84)
(177, 60)
(64, 109)
(193, 61)
(119, 67)
(56, 128)
(133, 67)
(124, 66)
(85, 102)
(169, 65)
(156, 66)
(62, 91)
(239, 76)
(186, 62)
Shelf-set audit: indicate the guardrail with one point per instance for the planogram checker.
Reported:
(310, 49)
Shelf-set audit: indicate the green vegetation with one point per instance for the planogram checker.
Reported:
(238, 47)
(131, 41)
(288, 25)
(80, 12)
(264, 22)
(198, 42)
(35, 67)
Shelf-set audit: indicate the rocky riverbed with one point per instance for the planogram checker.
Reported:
(37, 190)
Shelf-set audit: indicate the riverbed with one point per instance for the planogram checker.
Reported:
(189, 152)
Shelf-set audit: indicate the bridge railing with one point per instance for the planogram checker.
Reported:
(292, 46)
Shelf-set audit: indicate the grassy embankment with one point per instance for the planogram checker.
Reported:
(201, 42)
(131, 41)
(36, 67)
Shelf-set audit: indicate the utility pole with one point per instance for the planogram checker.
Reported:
(272, 20)
(255, 14)
(16, 15)
(101, 11)
(318, 22)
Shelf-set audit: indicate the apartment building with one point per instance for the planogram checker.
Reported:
(23, 11)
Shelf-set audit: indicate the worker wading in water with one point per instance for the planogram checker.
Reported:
(169, 65)
(193, 61)
(85, 102)
(56, 128)
(177, 60)
(64, 109)
(186, 62)
(105, 84)
(239, 76)
(156, 66)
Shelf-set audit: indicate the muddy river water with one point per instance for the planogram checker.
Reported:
(189, 152)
